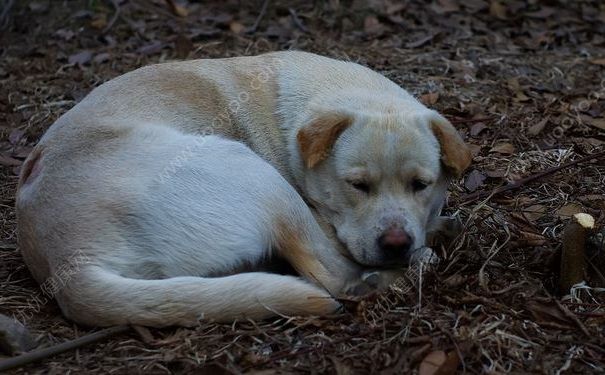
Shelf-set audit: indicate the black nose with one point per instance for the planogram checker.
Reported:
(395, 241)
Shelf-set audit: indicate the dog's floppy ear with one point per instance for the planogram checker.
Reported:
(315, 140)
(455, 154)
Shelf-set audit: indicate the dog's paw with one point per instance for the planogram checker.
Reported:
(372, 281)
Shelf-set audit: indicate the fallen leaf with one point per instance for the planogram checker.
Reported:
(497, 10)
(599, 61)
(432, 362)
(537, 128)
(534, 212)
(474, 180)
(543, 13)
(475, 149)
(569, 210)
(177, 9)
(14, 336)
(548, 313)
(372, 26)
(446, 6)
(236, 27)
(101, 58)
(477, 128)
(598, 123)
(430, 98)
(80, 58)
(99, 22)
(420, 42)
(15, 136)
(503, 148)
(151, 48)
(450, 366)
(495, 174)
(531, 239)
(9, 162)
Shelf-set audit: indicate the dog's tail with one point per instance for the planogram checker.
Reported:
(97, 297)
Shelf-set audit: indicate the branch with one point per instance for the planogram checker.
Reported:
(513, 185)
(36, 355)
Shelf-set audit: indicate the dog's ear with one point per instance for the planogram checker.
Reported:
(315, 140)
(456, 156)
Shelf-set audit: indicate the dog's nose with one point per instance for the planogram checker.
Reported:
(394, 240)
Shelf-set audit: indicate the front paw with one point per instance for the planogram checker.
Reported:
(372, 281)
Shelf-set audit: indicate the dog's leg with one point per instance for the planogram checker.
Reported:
(313, 253)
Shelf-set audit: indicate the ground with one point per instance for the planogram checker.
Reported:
(524, 83)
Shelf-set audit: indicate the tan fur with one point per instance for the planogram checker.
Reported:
(455, 154)
(316, 139)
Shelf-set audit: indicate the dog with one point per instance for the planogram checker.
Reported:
(161, 197)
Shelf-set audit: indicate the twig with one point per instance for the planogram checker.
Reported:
(36, 355)
(573, 317)
(260, 17)
(297, 20)
(5, 12)
(470, 120)
(114, 18)
(524, 181)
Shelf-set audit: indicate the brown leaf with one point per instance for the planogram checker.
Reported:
(569, 210)
(236, 27)
(177, 9)
(15, 136)
(80, 58)
(439, 363)
(99, 22)
(9, 162)
(432, 362)
(372, 26)
(430, 98)
(503, 148)
(538, 127)
(14, 336)
(446, 6)
(598, 123)
(599, 61)
(450, 366)
(101, 58)
(151, 48)
(497, 10)
(543, 13)
(477, 128)
(531, 239)
(534, 212)
(474, 180)
(547, 312)
(495, 174)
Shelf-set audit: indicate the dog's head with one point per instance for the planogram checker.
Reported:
(380, 177)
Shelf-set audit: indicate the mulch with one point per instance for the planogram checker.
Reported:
(523, 81)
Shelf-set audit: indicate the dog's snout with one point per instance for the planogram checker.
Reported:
(395, 240)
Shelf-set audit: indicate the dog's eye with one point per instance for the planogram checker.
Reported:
(419, 185)
(361, 186)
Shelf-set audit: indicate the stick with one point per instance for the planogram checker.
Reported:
(113, 19)
(260, 17)
(36, 355)
(5, 13)
(524, 181)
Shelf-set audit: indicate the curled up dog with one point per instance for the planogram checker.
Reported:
(181, 183)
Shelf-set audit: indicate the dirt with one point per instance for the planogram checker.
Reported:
(524, 83)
